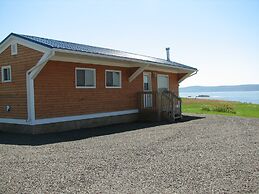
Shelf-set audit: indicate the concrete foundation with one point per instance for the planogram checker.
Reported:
(69, 125)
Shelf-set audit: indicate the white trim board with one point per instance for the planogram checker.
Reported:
(30, 76)
(124, 59)
(13, 121)
(2, 73)
(82, 117)
(17, 40)
(68, 118)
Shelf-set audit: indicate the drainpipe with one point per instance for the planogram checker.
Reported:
(186, 76)
(31, 74)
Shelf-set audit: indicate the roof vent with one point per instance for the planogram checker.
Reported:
(167, 53)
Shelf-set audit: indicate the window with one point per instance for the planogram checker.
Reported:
(147, 81)
(13, 49)
(113, 79)
(163, 82)
(85, 78)
(6, 74)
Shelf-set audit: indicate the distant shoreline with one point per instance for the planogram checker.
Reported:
(237, 96)
(235, 88)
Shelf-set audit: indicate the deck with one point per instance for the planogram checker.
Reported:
(158, 106)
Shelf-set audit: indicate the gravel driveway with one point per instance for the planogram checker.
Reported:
(204, 154)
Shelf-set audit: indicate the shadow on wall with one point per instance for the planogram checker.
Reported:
(42, 139)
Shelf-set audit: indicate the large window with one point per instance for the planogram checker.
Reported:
(163, 82)
(85, 78)
(6, 74)
(113, 79)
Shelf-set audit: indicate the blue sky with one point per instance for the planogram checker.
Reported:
(220, 38)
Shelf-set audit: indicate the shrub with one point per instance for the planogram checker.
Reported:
(205, 108)
(227, 108)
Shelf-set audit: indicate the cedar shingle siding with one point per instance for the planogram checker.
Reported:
(57, 96)
(14, 93)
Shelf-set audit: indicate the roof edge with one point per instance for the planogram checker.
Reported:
(125, 58)
(171, 64)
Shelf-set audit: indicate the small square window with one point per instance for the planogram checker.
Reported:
(85, 78)
(6, 74)
(14, 49)
(113, 79)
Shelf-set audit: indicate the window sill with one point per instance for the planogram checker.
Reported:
(86, 87)
(7, 81)
(115, 87)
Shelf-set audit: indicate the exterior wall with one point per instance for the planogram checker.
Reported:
(57, 96)
(173, 83)
(14, 93)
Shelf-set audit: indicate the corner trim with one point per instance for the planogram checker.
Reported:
(30, 76)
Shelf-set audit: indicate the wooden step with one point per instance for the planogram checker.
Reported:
(178, 116)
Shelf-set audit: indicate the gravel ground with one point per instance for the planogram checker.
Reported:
(204, 154)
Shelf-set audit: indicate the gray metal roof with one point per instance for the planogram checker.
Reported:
(50, 43)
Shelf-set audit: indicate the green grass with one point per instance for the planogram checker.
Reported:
(202, 106)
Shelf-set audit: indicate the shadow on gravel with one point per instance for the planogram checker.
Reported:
(42, 139)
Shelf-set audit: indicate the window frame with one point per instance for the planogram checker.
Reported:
(2, 73)
(84, 68)
(115, 71)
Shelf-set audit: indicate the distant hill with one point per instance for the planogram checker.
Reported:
(249, 87)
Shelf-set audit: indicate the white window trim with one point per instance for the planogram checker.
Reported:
(2, 72)
(149, 74)
(120, 78)
(80, 68)
(164, 75)
(14, 49)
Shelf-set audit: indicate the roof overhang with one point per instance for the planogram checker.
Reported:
(98, 59)
(93, 58)
(12, 39)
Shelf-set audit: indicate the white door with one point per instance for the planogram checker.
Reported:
(147, 87)
(162, 82)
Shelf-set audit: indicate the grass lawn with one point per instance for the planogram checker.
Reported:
(204, 106)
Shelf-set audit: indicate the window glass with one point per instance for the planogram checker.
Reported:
(113, 79)
(109, 78)
(80, 77)
(6, 74)
(89, 78)
(163, 82)
(147, 83)
(116, 79)
(85, 78)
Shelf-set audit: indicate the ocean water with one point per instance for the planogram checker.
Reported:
(241, 96)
